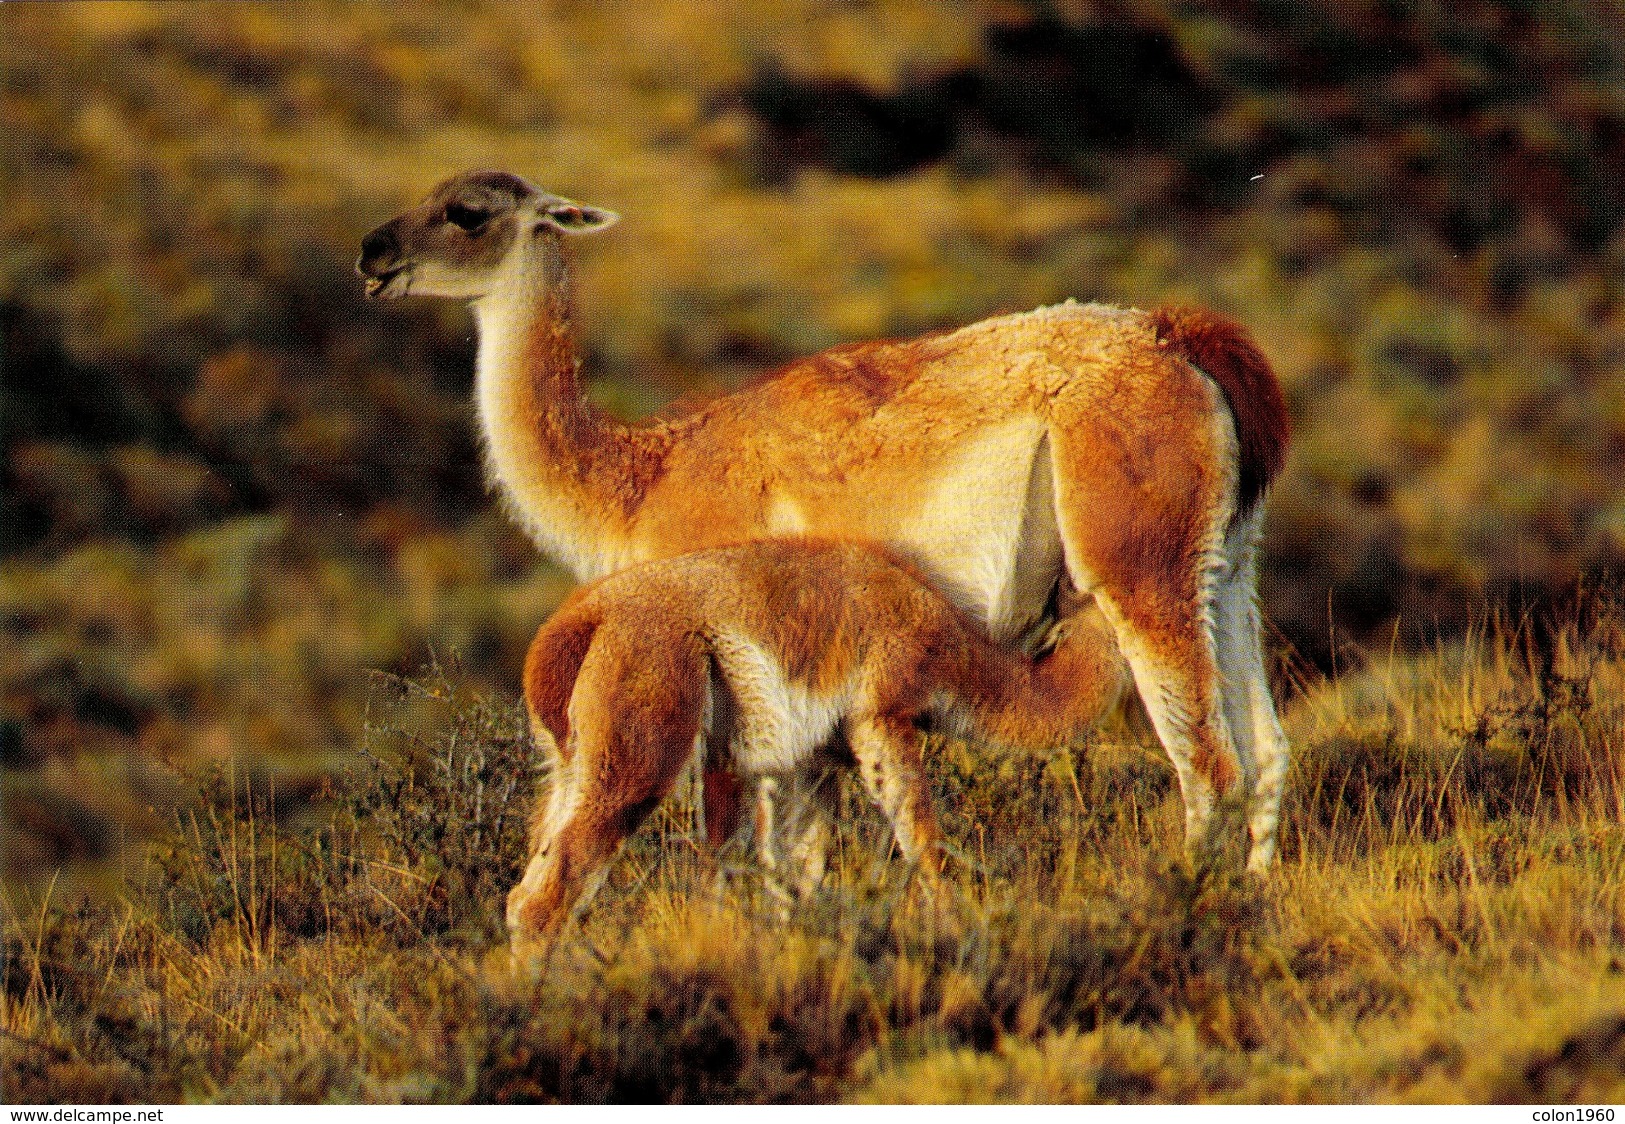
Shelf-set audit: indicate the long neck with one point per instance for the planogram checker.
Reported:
(571, 477)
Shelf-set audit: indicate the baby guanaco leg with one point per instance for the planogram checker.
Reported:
(796, 812)
(723, 798)
(722, 787)
(888, 750)
(634, 718)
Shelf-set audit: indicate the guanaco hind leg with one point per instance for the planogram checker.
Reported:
(1254, 725)
(634, 715)
(1155, 567)
(1176, 672)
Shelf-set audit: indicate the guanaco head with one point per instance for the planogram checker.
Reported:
(460, 241)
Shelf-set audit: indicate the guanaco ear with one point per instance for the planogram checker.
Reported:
(578, 218)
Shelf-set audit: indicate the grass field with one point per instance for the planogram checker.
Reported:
(243, 858)
(1447, 923)
(230, 486)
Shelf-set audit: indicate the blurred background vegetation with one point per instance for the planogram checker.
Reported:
(231, 487)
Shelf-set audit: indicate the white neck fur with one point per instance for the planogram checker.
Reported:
(523, 327)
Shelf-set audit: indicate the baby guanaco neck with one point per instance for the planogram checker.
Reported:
(572, 477)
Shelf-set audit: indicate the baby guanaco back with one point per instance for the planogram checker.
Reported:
(759, 655)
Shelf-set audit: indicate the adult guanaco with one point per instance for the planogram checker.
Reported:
(1125, 452)
(760, 653)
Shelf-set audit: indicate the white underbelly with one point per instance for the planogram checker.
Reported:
(987, 532)
(777, 723)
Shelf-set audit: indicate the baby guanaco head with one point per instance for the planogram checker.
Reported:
(461, 240)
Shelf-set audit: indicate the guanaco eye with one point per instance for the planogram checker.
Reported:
(465, 218)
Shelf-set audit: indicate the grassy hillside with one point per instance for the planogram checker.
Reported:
(235, 499)
(1447, 924)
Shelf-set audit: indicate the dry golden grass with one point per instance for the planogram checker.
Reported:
(1447, 924)
(238, 486)
(205, 420)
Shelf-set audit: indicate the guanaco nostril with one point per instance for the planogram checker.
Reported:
(377, 249)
